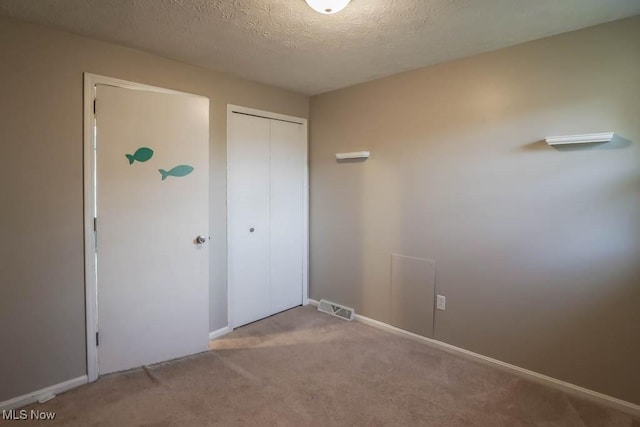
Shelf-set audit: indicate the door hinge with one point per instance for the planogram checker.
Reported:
(95, 232)
(97, 339)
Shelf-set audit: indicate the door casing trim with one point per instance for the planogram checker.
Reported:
(89, 193)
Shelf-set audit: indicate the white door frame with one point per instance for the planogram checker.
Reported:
(91, 285)
(305, 201)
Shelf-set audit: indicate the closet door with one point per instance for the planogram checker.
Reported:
(248, 221)
(288, 160)
(267, 165)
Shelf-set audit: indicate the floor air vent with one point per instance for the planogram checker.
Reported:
(336, 310)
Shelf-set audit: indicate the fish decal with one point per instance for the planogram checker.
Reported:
(178, 171)
(141, 155)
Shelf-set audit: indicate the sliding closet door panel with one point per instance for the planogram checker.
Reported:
(249, 169)
(288, 160)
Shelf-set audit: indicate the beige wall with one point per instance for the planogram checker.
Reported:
(41, 244)
(537, 249)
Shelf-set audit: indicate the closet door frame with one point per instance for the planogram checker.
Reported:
(234, 109)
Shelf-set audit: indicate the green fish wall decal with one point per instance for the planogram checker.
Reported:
(182, 170)
(141, 155)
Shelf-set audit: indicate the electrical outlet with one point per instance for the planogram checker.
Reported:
(441, 302)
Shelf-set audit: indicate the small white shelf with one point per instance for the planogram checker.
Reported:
(353, 155)
(580, 139)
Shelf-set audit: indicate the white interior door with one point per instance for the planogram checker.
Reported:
(152, 173)
(288, 159)
(267, 167)
(248, 221)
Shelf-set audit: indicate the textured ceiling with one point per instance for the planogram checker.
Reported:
(286, 44)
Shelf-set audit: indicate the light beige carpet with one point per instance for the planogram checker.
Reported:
(304, 368)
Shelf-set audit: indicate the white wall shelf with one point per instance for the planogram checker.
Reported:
(353, 155)
(580, 139)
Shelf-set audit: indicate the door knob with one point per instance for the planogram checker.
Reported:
(200, 240)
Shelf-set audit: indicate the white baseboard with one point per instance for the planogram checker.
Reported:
(572, 389)
(220, 333)
(28, 398)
